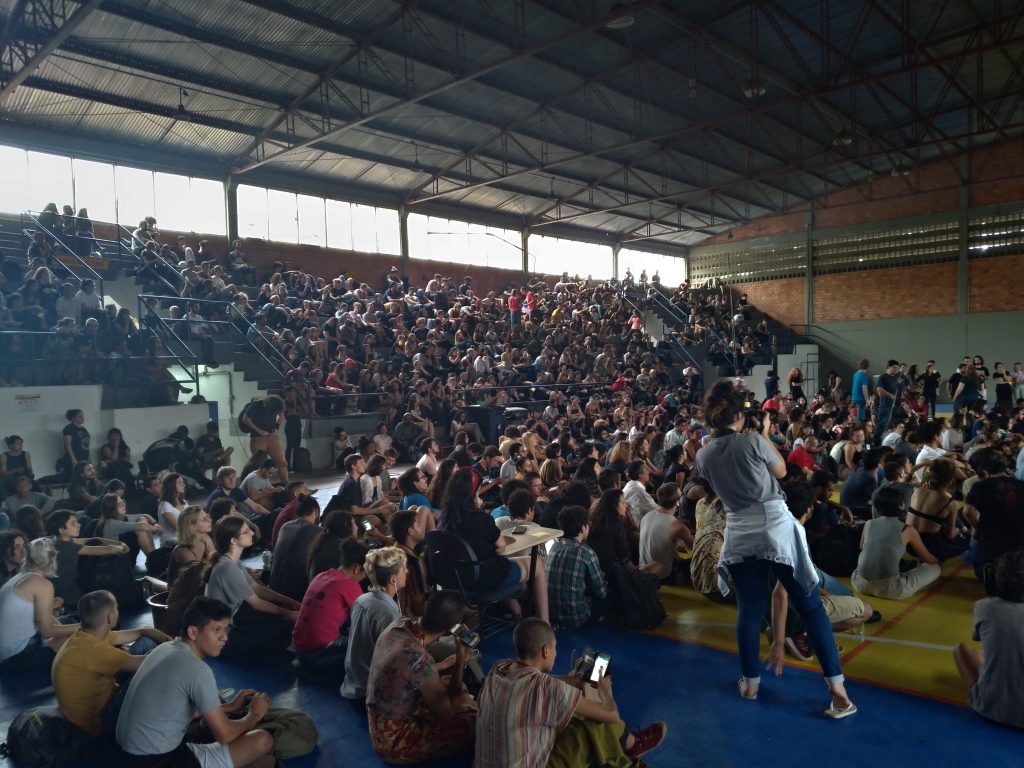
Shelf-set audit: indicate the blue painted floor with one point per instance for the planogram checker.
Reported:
(691, 687)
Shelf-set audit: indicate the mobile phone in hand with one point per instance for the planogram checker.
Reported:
(468, 637)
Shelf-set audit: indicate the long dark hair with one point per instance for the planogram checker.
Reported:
(458, 498)
(435, 491)
(227, 528)
(337, 525)
(169, 489)
(605, 521)
(722, 405)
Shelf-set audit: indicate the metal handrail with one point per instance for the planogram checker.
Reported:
(94, 275)
(681, 347)
(249, 325)
(127, 246)
(146, 317)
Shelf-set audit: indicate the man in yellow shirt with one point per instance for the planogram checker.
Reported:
(85, 669)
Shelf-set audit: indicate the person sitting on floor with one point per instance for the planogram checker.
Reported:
(413, 715)
(24, 495)
(933, 512)
(289, 573)
(662, 535)
(528, 717)
(261, 619)
(350, 492)
(576, 586)
(259, 489)
(294, 491)
(408, 531)
(992, 674)
(86, 667)
(64, 527)
(320, 634)
(173, 684)
(115, 523)
(194, 543)
(843, 609)
(639, 500)
(858, 488)
(227, 480)
(370, 616)
(882, 545)
(31, 635)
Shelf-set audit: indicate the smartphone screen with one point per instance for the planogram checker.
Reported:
(367, 525)
(601, 662)
(586, 667)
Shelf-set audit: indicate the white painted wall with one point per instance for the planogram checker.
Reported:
(37, 415)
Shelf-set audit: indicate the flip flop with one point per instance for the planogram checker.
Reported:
(747, 696)
(838, 713)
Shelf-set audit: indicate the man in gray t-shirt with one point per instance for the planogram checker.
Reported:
(173, 683)
(371, 614)
(230, 583)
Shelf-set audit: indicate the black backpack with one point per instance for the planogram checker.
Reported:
(242, 427)
(113, 573)
(42, 737)
(637, 596)
(837, 551)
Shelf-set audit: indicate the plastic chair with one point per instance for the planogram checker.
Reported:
(452, 564)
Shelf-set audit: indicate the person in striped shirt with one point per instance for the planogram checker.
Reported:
(528, 717)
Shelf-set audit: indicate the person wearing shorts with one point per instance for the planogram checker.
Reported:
(172, 684)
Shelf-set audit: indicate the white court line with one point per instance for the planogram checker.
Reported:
(848, 636)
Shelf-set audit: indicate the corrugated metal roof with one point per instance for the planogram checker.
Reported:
(576, 119)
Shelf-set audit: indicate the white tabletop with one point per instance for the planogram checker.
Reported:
(523, 541)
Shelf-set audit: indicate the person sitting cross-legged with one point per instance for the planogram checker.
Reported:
(370, 616)
(576, 585)
(529, 717)
(662, 535)
(87, 666)
(172, 685)
(320, 634)
(261, 619)
(413, 715)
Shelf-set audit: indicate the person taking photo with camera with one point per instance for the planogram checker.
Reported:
(762, 539)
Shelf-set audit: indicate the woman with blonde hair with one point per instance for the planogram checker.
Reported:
(194, 542)
(551, 473)
(795, 380)
(619, 457)
(31, 636)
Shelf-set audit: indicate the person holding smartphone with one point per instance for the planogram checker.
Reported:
(528, 716)
(413, 715)
(762, 539)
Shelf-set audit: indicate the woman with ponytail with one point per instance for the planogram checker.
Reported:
(763, 543)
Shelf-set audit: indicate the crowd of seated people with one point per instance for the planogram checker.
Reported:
(610, 462)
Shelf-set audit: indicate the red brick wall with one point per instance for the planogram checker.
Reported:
(995, 284)
(886, 293)
(783, 300)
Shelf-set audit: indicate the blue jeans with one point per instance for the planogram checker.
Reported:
(862, 411)
(753, 594)
(832, 585)
(884, 414)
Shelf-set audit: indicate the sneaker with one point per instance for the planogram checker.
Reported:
(800, 646)
(875, 618)
(647, 739)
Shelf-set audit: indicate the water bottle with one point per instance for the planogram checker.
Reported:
(268, 559)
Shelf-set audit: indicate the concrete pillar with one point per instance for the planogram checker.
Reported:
(231, 207)
(403, 240)
(525, 234)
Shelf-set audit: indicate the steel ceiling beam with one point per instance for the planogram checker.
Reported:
(132, 13)
(454, 82)
(325, 23)
(22, 61)
(297, 103)
(161, 70)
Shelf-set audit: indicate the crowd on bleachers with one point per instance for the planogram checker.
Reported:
(612, 461)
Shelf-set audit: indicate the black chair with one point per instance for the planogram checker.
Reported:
(452, 564)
